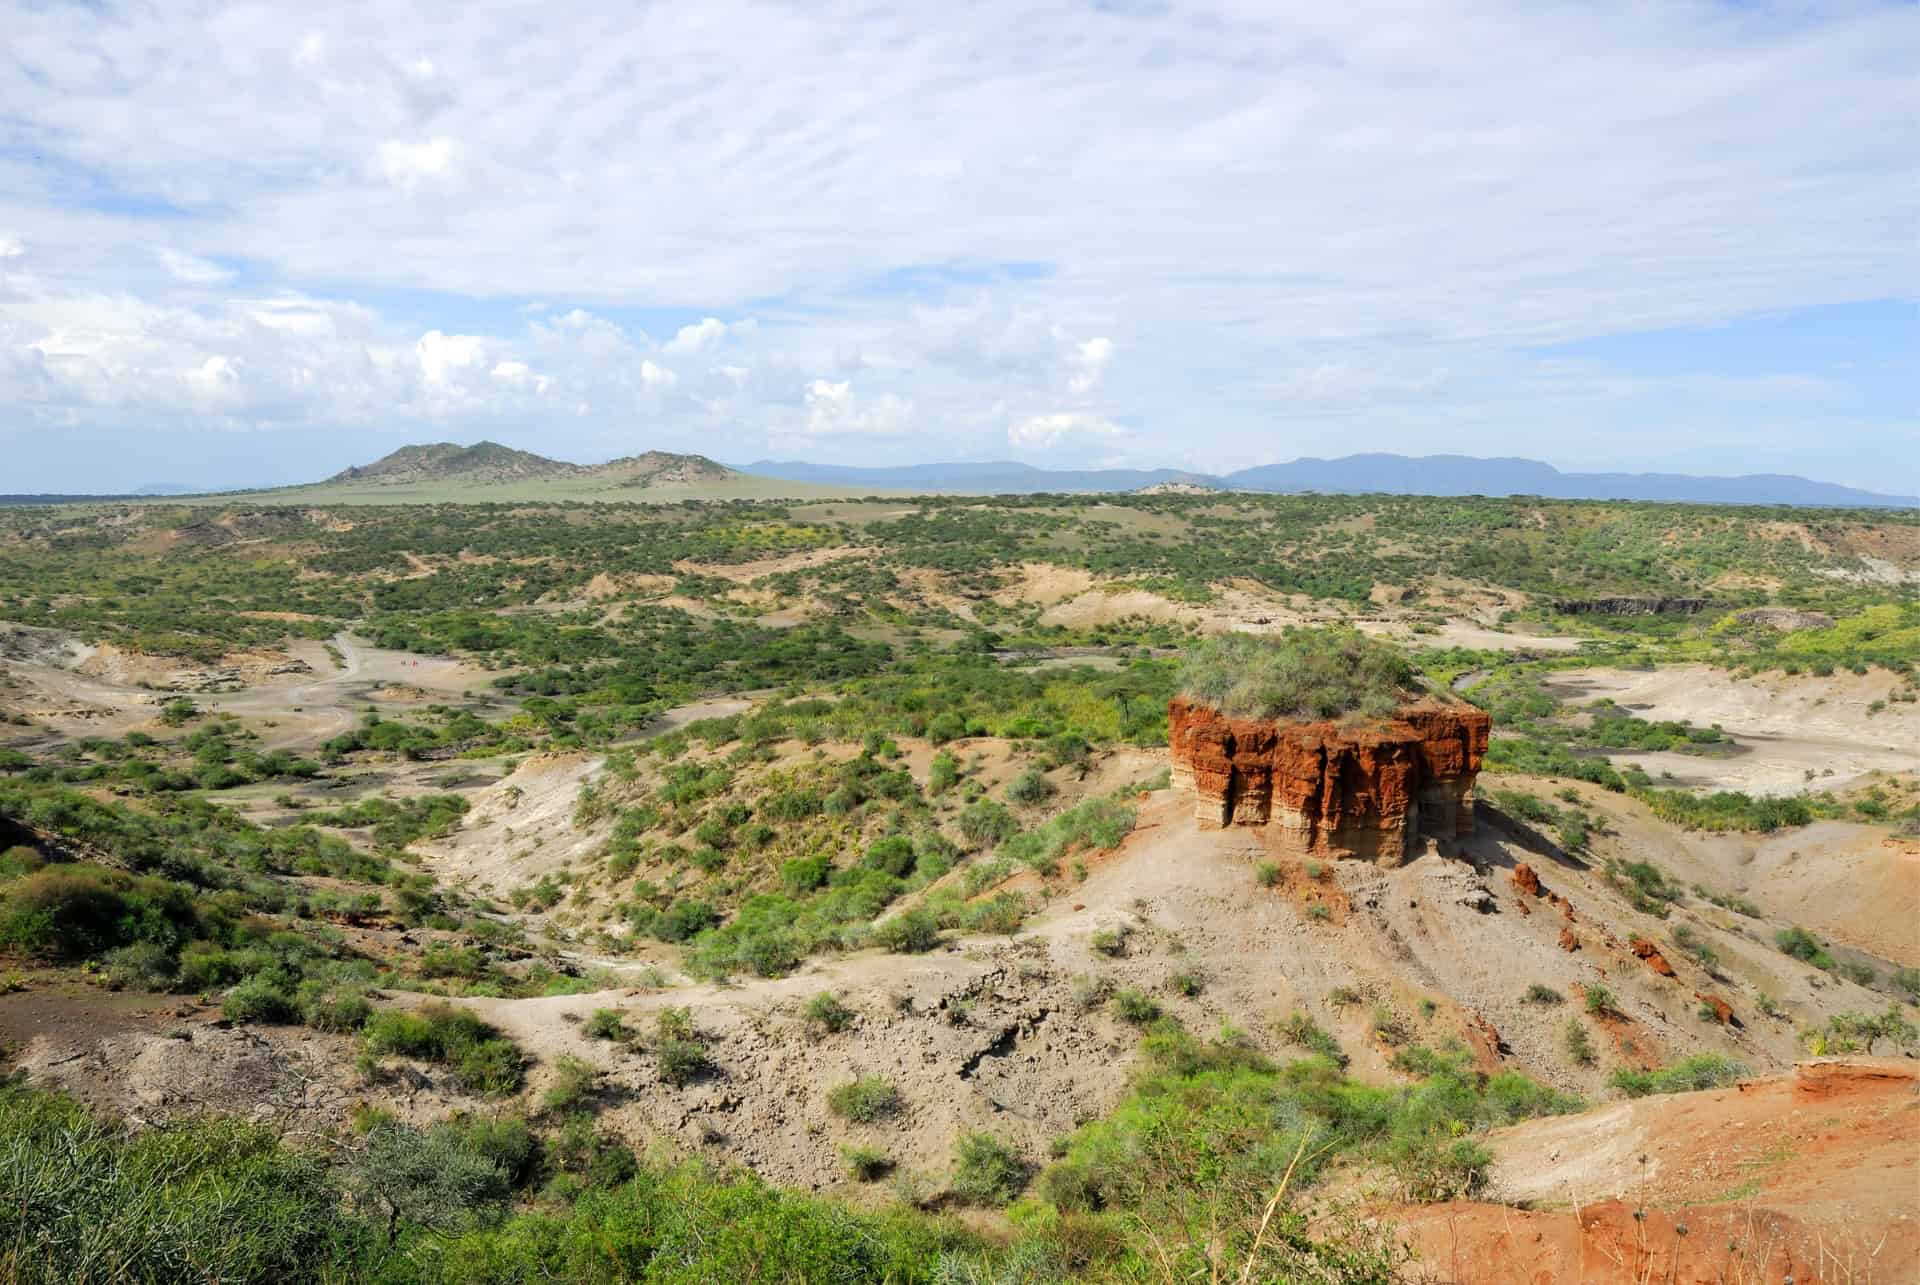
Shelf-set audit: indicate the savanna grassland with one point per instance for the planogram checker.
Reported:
(792, 890)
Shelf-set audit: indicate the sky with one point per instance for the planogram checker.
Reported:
(246, 245)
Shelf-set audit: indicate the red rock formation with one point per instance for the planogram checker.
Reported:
(1568, 942)
(1646, 950)
(1525, 880)
(1722, 1011)
(1368, 790)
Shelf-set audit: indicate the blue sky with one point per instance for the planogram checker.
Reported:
(256, 244)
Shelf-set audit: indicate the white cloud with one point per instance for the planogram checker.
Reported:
(1045, 432)
(193, 270)
(1283, 219)
(442, 356)
(701, 334)
(518, 374)
(834, 410)
(408, 165)
(1090, 360)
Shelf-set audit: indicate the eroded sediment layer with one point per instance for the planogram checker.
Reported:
(1370, 789)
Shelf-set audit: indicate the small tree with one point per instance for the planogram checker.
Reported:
(427, 1178)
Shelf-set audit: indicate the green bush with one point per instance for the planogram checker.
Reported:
(986, 1171)
(1030, 787)
(1701, 1071)
(825, 1014)
(892, 854)
(1135, 1006)
(1804, 946)
(144, 965)
(1305, 673)
(482, 1060)
(1579, 1044)
(1601, 1002)
(261, 998)
(1308, 1034)
(864, 1100)
(573, 1082)
(865, 1164)
(1538, 993)
(604, 1024)
(912, 933)
(986, 823)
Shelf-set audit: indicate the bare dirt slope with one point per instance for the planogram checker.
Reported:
(1857, 884)
(988, 1032)
(1813, 1176)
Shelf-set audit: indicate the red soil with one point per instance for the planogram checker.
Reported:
(1815, 1177)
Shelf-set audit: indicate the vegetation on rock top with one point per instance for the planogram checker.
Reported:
(1304, 673)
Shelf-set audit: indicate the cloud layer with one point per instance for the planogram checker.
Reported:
(1209, 234)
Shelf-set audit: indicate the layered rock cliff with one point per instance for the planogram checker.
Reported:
(1369, 790)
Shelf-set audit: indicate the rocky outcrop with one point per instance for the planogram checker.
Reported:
(1369, 790)
(1646, 950)
(1631, 606)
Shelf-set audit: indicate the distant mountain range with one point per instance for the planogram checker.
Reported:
(489, 467)
(486, 463)
(1348, 475)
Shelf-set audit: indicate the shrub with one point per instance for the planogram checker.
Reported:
(481, 1058)
(986, 823)
(1135, 1006)
(678, 1048)
(912, 933)
(1302, 1030)
(145, 965)
(866, 1164)
(864, 1100)
(1803, 946)
(825, 1014)
(942, 773)
(1601, 1002)
(1701, 1071)
(1306, 673)
(1030, 787)
(1539, 993)
(604, 1024)
(1090, 991)
(1908, 980)
(1188, 982)
(1111, 942)
(681, 1061)
(338, 1007)
(893, 854)
(986, 1171)
(1266, 874)
(260, 998)
(1579, 1044)
(573, 1081)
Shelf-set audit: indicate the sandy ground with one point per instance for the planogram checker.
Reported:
(311, 702)
(1795, 732)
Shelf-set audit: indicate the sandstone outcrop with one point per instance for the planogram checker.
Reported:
(1370, 789)
(1646, 950)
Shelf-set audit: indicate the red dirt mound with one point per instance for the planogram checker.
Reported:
(1813, 1178)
